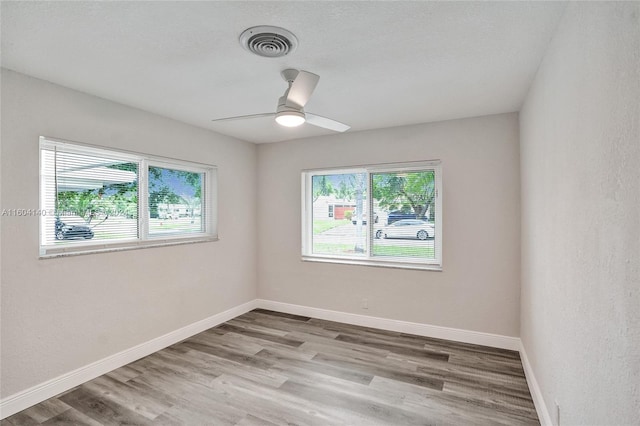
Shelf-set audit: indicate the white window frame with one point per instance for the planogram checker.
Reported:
(369, 259)
(144, 239)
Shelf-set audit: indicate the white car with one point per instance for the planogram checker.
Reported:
(408, 228)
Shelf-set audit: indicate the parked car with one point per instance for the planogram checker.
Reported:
(408, 228)
(399, 215)
(69, 232)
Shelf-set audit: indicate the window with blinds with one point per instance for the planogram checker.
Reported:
(94, 199)
(383, 215)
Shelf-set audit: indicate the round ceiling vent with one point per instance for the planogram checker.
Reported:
(267, 41)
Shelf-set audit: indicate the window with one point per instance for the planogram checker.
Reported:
(175, 201)
(93, 199)
(395, 219)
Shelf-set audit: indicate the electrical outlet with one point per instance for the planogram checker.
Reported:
(557, 413)
(365, 303)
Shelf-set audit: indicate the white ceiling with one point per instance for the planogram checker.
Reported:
(381, 64)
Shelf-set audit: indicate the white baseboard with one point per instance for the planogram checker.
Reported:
(455, 334)
(53, 387)
(536, 393)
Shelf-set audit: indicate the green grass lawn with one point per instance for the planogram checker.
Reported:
(424, 252)
(421, 251)
(322, 225)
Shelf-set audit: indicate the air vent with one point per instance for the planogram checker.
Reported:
(267, 41)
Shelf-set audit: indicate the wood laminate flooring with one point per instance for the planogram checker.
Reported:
(269, 368)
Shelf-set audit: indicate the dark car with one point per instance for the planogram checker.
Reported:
(69, 232)
(399, 215)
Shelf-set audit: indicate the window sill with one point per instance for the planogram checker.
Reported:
(108, 248)
(375, 263)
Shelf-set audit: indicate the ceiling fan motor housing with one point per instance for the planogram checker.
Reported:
(282, 105)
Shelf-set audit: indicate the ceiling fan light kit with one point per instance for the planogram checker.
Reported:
(290, 118)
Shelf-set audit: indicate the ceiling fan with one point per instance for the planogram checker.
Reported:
(290, 111)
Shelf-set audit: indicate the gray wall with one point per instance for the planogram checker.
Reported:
(568, 198)
(478, 289)
(62, 314)
(580, 161)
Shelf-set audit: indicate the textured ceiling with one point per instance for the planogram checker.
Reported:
(381, 64)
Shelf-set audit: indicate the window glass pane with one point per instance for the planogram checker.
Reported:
(91, 198)
(175, 201)
(339, 214)
(404, 203)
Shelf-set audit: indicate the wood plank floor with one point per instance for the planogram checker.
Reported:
(269, 368)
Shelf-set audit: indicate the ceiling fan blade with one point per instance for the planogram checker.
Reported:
(301, 89)
(242, 117)
(326, 123)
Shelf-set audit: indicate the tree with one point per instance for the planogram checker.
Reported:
(160, 192)
(79, 203)
(163, 195)
(401, 191)
(120, 198)
(193, 203)
(359, 180)
(346, 192)
(321, 187)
